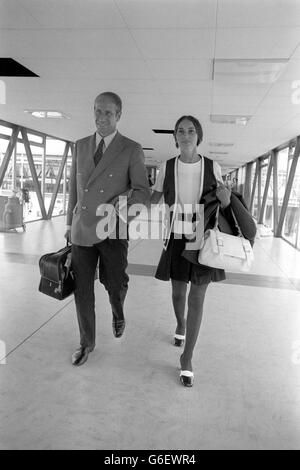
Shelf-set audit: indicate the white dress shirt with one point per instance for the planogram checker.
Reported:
(107, 140)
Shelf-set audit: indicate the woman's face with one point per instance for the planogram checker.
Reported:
(186, 135)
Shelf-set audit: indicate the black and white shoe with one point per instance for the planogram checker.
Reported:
(187, 378)
(179, 340)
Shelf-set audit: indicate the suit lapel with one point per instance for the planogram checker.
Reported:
(90, 152)
(110, 154)
(85, 162)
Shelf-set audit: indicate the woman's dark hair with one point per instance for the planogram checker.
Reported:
(196, 124)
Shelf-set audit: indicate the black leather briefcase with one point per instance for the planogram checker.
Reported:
(57, 277)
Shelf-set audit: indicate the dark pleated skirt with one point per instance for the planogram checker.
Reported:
(173, 265)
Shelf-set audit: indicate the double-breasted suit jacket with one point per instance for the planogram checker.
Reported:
(121, 170)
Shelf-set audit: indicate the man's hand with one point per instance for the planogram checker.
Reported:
(68, 235)
(224, 195)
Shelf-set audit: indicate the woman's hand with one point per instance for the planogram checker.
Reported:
(68, 235)
(223, 194)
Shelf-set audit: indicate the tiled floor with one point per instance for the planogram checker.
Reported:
(128, 396)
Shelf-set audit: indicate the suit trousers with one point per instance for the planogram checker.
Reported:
(112, 256)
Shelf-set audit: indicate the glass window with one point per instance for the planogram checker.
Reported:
(269, 213)
(255, 203)
(283, 167)
(291, 226)
(67, 175)
(7, 184)
(24, 180)
(54, 151)
(255, 200)
(241, 179)
(47, 155)
(35, 138)
(5, 130)
(263, 178)
(3, 148)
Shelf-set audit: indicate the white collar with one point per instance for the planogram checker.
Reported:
(201, 158)
(107, 139)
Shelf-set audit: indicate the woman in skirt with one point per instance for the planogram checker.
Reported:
(183, 181)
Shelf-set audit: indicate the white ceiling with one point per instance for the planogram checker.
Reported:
(158, 56)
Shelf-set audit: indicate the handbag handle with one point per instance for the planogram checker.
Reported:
(237, 224)
(234, 218)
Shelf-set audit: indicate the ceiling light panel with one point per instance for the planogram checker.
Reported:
(248, 70)
(47, 114)
(230, 119)
(221, 144)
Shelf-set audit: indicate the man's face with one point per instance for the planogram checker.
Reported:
(106, 116)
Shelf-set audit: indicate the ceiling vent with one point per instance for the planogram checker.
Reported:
(11, 68)
(248, 71)
(238, 120)
(163, 131)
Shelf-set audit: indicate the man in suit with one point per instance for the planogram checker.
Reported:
(105, 165)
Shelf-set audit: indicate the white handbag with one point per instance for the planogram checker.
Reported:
(224, 251)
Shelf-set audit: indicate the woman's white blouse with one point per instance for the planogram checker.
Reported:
(188, 187)
(188, 182)
(159, 183)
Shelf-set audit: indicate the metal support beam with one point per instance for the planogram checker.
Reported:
(33, 173)
(275, 191)
(266, 191)
(8, 153)
(288, 188)
(247, 187)
(259, 188)
(58, 180)
(254, 185)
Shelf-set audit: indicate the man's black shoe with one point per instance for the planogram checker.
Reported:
(118, 327)
(80, 356)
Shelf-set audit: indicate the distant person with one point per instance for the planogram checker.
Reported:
(26, 199)
(105, 165)
(187, 180)
(150, 181)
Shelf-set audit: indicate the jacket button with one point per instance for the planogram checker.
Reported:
(86, 190)
(110, 176)
(83, 207)
(101, 191)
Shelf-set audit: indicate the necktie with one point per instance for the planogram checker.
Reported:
(99, 152)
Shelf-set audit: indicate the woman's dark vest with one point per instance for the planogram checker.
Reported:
(209, 180)
(209, 184)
